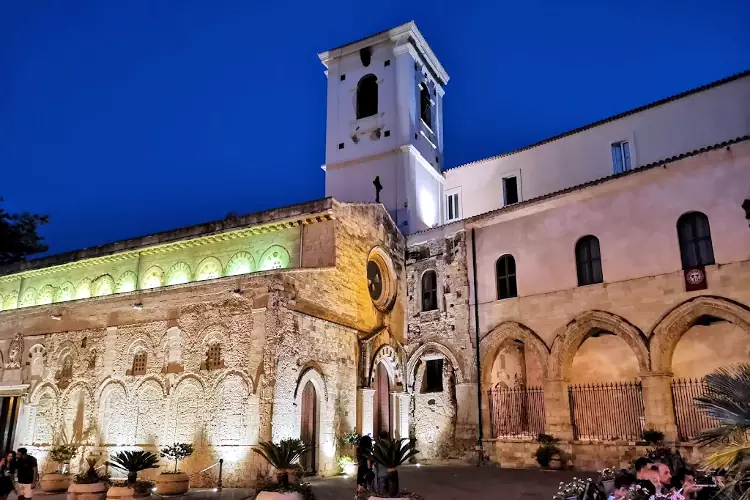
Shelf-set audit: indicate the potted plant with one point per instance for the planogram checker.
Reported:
(89, 485)
(61, 479)
(571, 490)
(726, 400)
(131, 462)
(391, 453)
(607, 478)
(348, 465)
(548, 455)
(283, 457)
(652, 436)
(174, 482)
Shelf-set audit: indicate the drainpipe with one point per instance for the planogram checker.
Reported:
(480, 448)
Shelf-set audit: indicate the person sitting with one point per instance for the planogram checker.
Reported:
(364, 471)
(623, 481)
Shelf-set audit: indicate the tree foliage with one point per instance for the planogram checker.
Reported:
(18, 235)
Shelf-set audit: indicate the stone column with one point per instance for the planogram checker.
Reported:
(466, 411)
(557, 409)
(365, 403)
(402, 401)
(658, 404)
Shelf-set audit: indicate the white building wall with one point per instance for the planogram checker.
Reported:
(686, 124)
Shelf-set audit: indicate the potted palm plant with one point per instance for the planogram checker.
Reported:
(391, 454)
(548, 455)
(727, 400)
(174, 482)
(283, 457)
(89, 485)
(132, 462)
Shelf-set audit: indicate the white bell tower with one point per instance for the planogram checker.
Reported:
(385, 122)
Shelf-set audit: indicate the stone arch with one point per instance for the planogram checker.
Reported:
(11, 301)
(569, 339)
(28, 297)
(103, 285)
(127, 282)
(152, 278)
(178, 274)
(43, 413)
(41, 389)
(312, 373)
(233, 373)
(389, 357)
(275, 257)
(490, 345)
(670, 329)
(46, 295)
(76, 412)
(113, 412)
(411, 364)
(240, 263)
(66, 292)
(209, 268)
(83, 289)
(313, 376)
(37, 356)
(149, 399)
(232, 414)
(187, 407)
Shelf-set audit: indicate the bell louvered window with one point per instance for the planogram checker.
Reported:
(213, 357)
(139, 363)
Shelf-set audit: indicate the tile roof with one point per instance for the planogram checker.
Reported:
(611, 118)
(601, 180)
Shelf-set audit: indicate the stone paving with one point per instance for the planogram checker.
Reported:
(455, 482)
(193, 494)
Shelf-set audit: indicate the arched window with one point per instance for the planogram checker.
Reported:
(367, 96)
(213, 357)
(694, 235)
(425, 104)
(429, 291)
(139, 363)
(505, 274)
(588, 261)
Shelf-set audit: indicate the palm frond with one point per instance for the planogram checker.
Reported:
(391, 453)
(727, 400)
(134, 461)
(283, 455)
(728, 456)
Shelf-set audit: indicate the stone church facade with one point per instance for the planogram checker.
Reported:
(412, 300)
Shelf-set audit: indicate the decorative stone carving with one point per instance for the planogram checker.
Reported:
(15, 352)
(240, 263)
(179, 273)
(126, 282)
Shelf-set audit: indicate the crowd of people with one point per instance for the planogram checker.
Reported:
(19, 474)
(653, 479)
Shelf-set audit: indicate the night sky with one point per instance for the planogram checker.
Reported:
(123, 118)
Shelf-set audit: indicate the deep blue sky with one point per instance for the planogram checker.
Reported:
(125, 118)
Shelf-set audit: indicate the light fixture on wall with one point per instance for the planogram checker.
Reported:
(237, 292)
(56, 317)
(138, 306)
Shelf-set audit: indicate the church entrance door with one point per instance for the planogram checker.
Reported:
(308, 428)
(382, 401)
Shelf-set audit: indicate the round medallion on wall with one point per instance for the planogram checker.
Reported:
(695, 277)
(381, 281)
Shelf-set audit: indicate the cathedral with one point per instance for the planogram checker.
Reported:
(580, 287)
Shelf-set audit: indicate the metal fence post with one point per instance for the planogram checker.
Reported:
(221, 466)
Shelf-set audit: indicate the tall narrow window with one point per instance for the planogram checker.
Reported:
(694, 235)
(505, 273)
(452, 211)
(510, 190)
(429, 291)
(139, 364)
(588, 261)
(433, 376)
(213, 357)
(621, 157)
(426, 104)
(367, 96)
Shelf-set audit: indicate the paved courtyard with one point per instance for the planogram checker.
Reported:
(453, 482)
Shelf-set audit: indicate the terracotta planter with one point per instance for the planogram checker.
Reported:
(272, 495)
(55, 483)
(121, 493)
(93, 491)
(172, 484)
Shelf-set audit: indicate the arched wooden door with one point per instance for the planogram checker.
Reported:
(382, 420)
(309, 427)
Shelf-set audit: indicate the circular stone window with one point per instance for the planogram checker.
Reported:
(381, 282)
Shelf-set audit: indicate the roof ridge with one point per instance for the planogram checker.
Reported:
(608, 119)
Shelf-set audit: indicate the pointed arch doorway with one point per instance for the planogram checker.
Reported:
(382, 410)
(309, 427)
